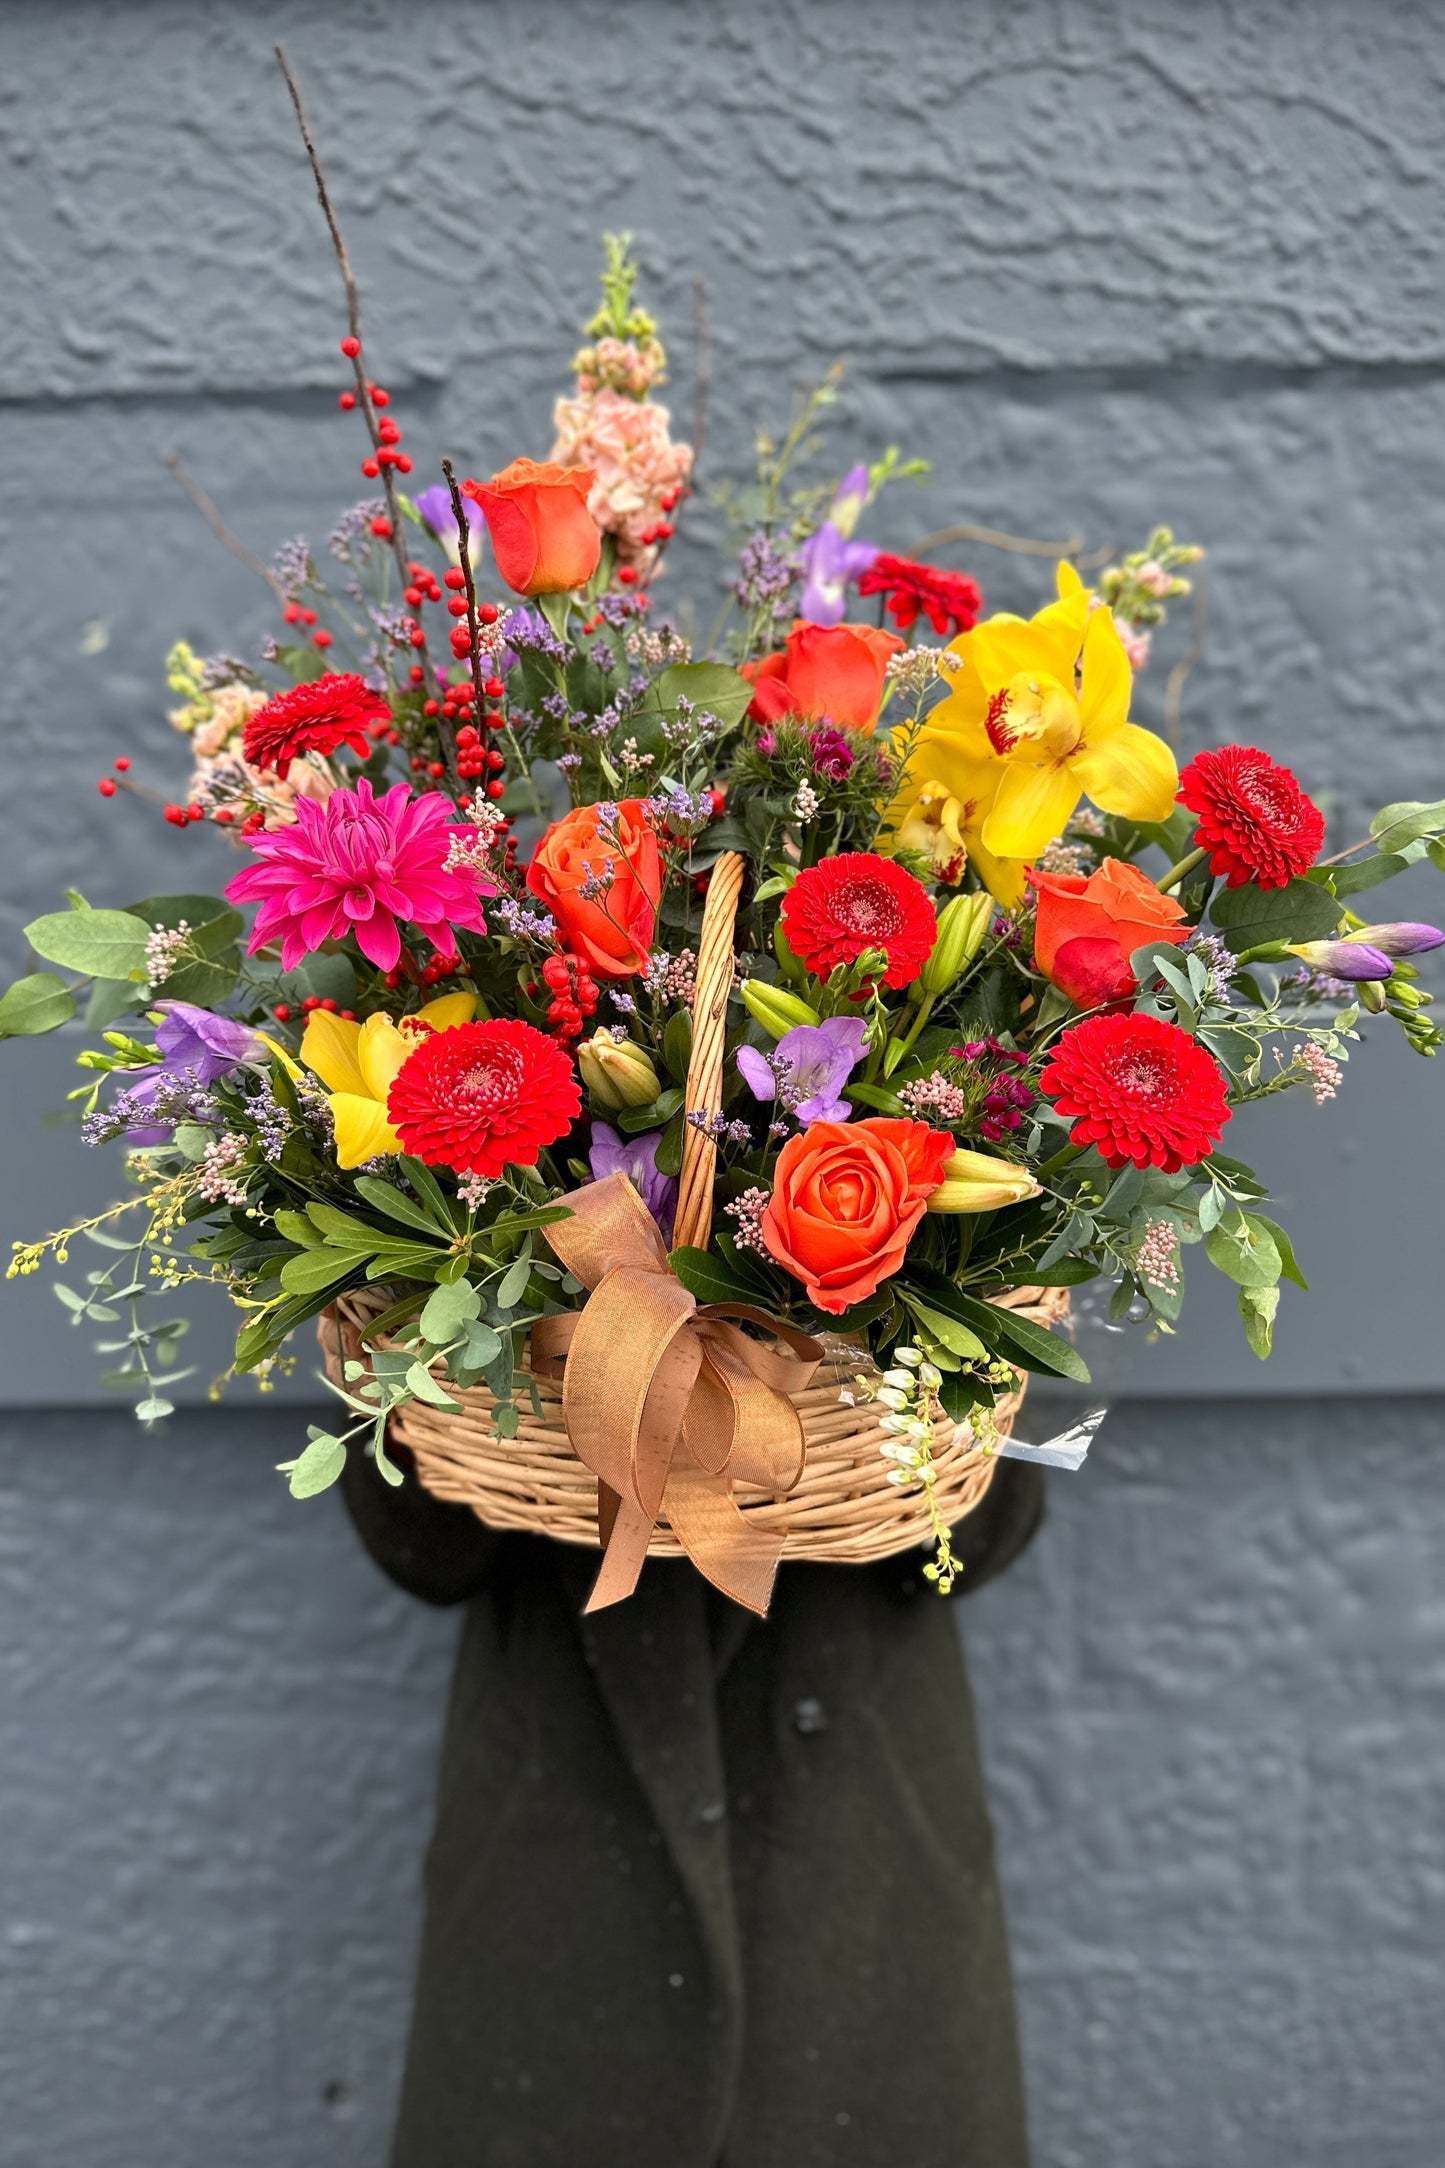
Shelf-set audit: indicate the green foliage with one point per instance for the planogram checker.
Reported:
(103, 944)
(1247, 917)
(34, 1005)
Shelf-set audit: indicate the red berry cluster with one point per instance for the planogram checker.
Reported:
(107, 784)
(574, 995)
(474, 760)
(388, 431)
(296, 613)
(423, 587)
(332, 1008)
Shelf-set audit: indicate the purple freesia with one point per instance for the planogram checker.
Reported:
(435, 507)
(1401, 937)
(1369, 952)
(192, 1038)
(831, 559)
(830, 565)
(809, 1066)
(197, 1048)
(636, 1157)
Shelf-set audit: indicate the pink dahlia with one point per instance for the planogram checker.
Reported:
(358, 864)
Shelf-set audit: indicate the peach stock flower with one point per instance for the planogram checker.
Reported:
(637, 467)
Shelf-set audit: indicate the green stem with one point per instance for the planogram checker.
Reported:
(1177, 873)
(925, 1007)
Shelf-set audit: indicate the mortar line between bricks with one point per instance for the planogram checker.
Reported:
(1221, 379)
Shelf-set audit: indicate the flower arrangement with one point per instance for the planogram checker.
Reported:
(1002, 974)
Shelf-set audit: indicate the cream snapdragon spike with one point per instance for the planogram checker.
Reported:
(362, 865)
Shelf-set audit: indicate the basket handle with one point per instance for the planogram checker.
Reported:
(705, 1068)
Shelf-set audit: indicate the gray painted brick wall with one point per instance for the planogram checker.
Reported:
(1105, 263)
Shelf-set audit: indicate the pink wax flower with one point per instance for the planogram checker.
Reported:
(357, 864)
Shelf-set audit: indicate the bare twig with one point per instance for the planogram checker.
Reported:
(701, 372)
(1174, 688)
(1020, 545)
(464, 557)
(353, 317)
(218, 527)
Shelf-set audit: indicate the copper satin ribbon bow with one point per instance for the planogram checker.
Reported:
(667, 1402)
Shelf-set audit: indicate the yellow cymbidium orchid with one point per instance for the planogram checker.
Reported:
(1036, 718)
(358, 1065)
(941, 809)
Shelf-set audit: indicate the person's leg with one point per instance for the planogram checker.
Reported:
(879, 2019)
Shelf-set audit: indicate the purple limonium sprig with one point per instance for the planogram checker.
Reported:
(1368, 952)
(636, 1157)
(810, 1066)
(766, 573)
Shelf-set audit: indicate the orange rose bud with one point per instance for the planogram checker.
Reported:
(544, 538)
(612, 930)
(846, 1199)
(832, 671)
(1088, 929)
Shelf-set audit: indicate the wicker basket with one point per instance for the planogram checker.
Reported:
(843, 1509)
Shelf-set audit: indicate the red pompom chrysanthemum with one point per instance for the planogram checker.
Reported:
(1142, 1089)
(481, 1097)
(836, 910)
(1254, 820)
(951, 601)
(315, 718)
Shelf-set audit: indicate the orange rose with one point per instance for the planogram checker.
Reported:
(612, 932)
(1088, 929)
(846, 1199)
(835, 671)
(546, 541)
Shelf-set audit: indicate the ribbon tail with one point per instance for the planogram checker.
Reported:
(625, 1530)
(736, 1557)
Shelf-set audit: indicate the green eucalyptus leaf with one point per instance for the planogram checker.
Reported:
(34, 1005)
(448, 1311)
(104, 944)
(1257, 1307)
(1245, 1253)
(483, 1346)
(113, 998)
(318, 1467)
(514, 1284)
(1288, 1265)
(425, 1387)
